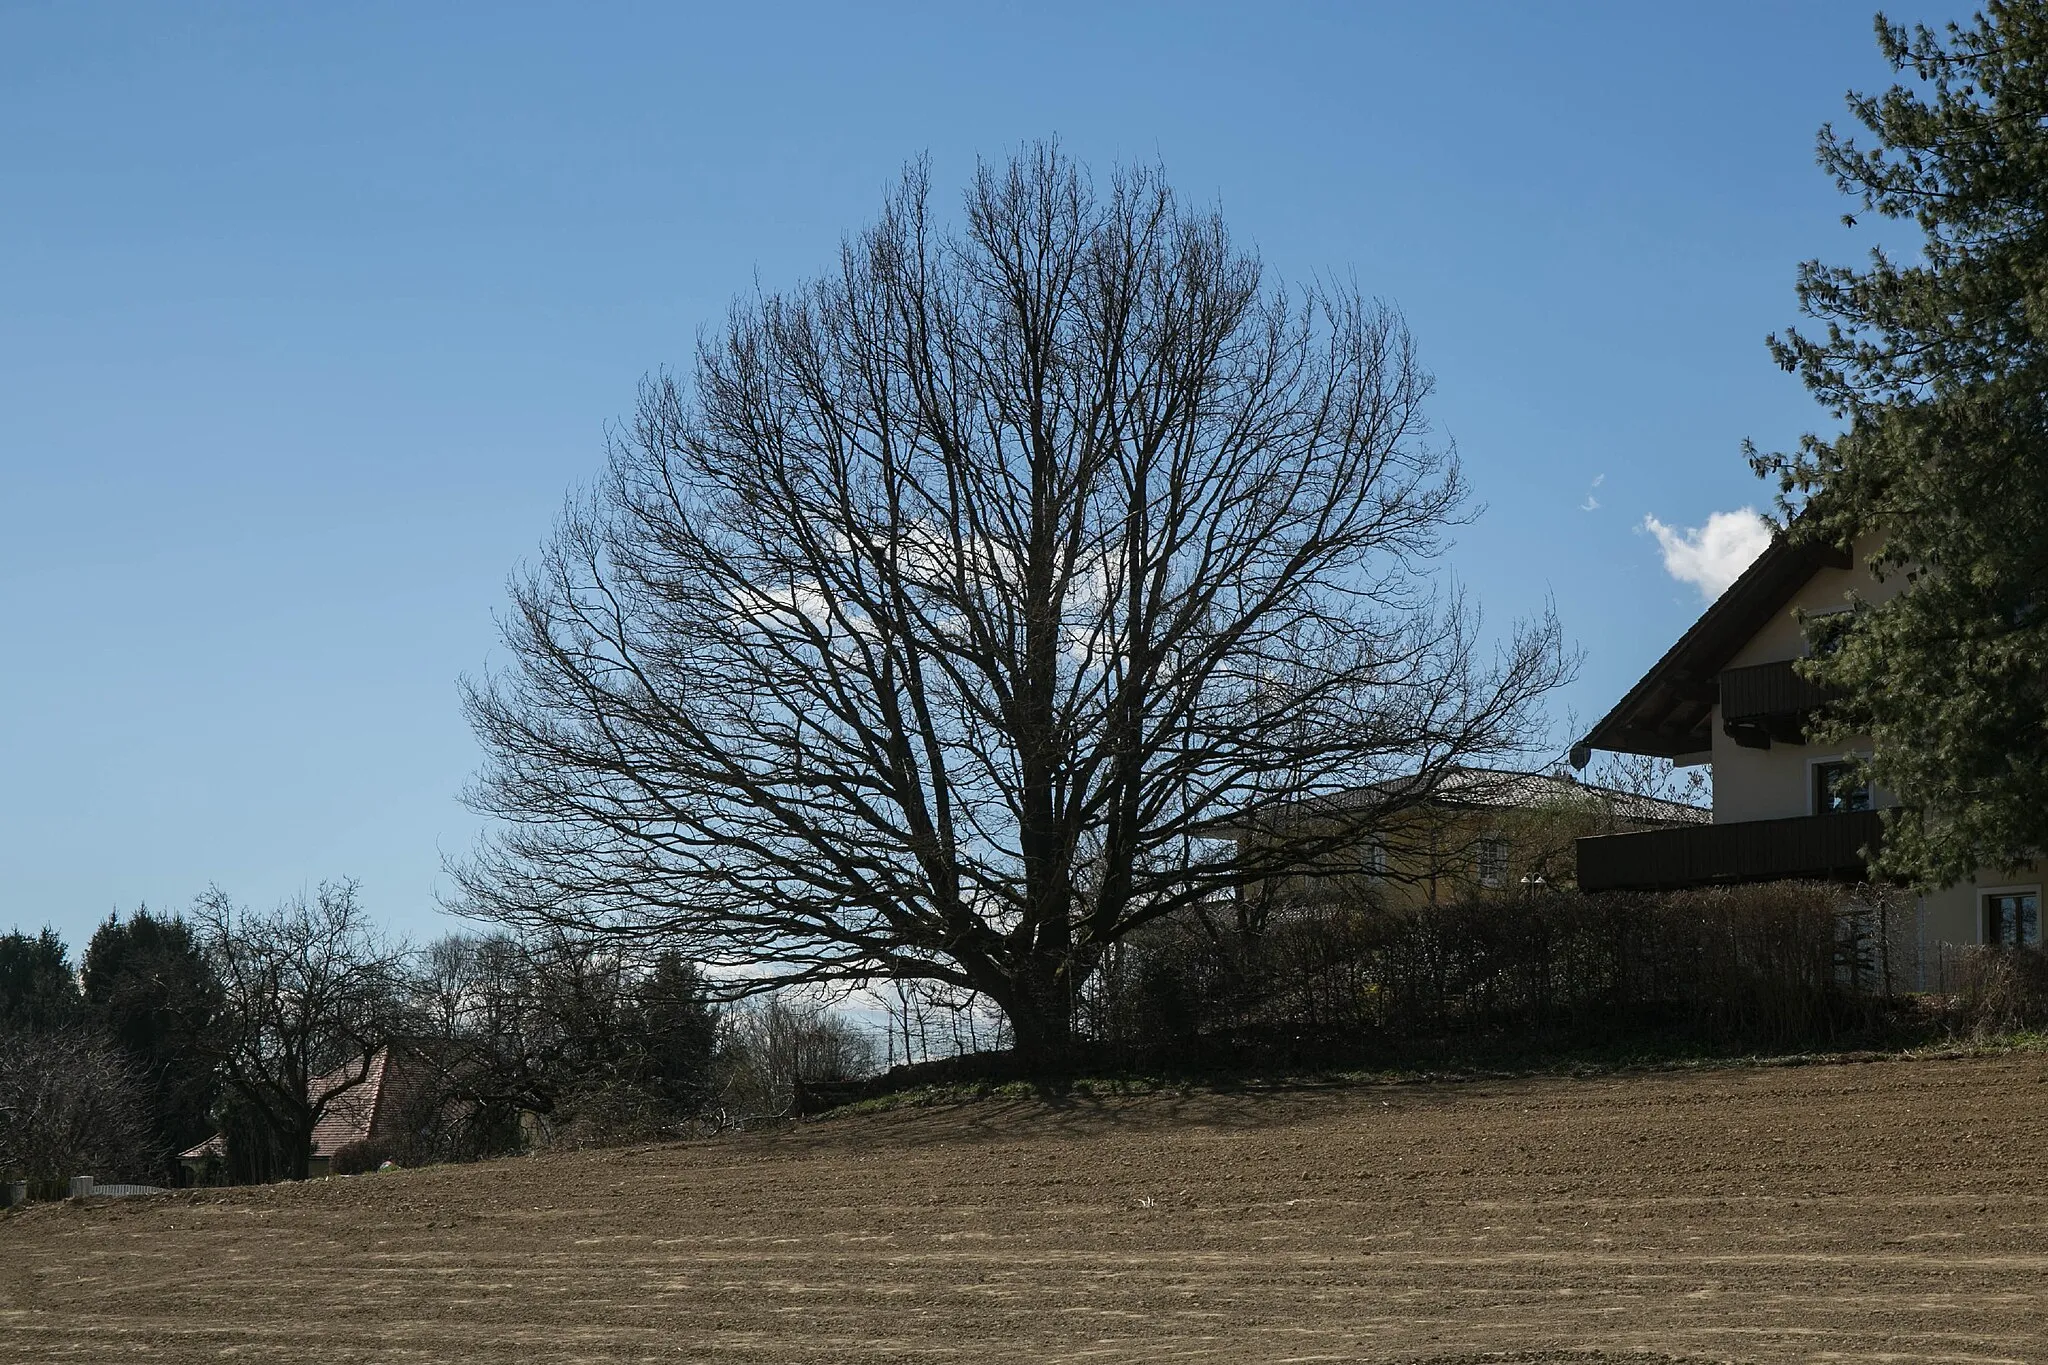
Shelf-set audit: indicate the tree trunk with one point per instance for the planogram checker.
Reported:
(298, 1149)
(1038, 1002)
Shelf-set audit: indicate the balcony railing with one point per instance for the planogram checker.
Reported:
(1766, 702)
(1815, 847)
(1764, 690)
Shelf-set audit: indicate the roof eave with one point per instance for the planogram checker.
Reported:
(1667, 714)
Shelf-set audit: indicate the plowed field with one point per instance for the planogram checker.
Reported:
(1893, 1211)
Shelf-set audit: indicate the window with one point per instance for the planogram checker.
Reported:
(1836, 788)
(1374, 859)
(1493, 862)
(2013, 918)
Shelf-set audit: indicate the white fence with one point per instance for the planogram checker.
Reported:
(82, 1187)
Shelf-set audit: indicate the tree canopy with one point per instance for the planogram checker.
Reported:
(148, 987)
(308, 993)
(38, 990)
(969, 602)
(1937, 368)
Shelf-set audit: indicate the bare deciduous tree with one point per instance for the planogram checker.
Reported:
(569, 1028)
(949, 622)
(307, 996)
(1657, 778)
(528, 1026)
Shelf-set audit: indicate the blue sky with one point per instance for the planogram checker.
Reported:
(310, 316)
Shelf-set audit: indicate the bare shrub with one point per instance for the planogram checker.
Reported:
(1782, 962)
(69, 1105)
(355, 1158)
(608, 1114)
(1998, 991)
(1779, 964)
(772, 1046)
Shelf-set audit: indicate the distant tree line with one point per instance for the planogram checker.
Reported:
(253, 1025)
(101, 1066)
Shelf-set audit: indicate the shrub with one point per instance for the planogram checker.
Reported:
(69, 1105)
(1998, 990)
(1777, 964)
(355, 1158)
(607, 1114)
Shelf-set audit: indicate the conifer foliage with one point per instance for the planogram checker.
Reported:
(1937, 368)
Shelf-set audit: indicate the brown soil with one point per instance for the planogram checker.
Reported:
(1888, 1211)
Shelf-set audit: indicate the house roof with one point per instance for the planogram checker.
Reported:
(350, 1117)
(1506, 789)
(217, 1145)
(1670, 711)
(1479, 787)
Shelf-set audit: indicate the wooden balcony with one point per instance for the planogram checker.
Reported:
(1766, 702)
(1807, 847)
(1765, 690)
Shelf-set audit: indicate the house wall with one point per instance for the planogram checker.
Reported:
(1774, 783)
(1432, 855)
(1827, 590)
(1955, 914)
(1777, 783)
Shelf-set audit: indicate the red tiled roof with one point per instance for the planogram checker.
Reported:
(351, 1116)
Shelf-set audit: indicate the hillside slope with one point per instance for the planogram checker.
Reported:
(1891, 1211)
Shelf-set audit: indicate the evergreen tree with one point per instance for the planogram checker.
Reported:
(1937, 369)
(678, 1027)
(148, 987)
(38, 991)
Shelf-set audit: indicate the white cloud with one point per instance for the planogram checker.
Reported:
(1711, 557)
(1591, 504)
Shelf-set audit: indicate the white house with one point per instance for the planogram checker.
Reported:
(1725, 694)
